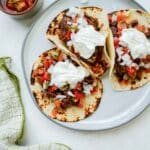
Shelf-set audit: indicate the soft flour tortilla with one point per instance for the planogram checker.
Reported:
(94, 12)
(143, 19)
(73, 113)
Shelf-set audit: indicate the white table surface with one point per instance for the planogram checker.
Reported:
(38, 129)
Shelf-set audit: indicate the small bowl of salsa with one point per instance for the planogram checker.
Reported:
(20, 8)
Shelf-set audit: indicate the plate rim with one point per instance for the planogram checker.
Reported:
(136, 113)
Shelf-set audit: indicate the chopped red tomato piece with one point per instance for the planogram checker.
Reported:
(80, 104)
(54, 113)
(98, 69)
(57, 103)
(41, 71)
(121, 16)
(22, 6)
(94, 90)
(52, 89)
(116, 42)
(131, 71)
(141, 28)
(47, 63)
(45, 77)
(78, 95)
(19, 5)
(78, 86)
(30, 2)
(11, 6)
(125, 81)
(68, 35)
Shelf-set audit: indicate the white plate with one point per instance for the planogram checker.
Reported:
(116, 108)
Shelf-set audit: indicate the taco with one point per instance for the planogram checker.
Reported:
(129, 46)
(83, 33)
(63, 89)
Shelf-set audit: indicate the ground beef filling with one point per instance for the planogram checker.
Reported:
(70, 100)
(96, 61)
(65, 29)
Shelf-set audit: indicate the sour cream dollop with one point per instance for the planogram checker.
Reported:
(136, 41)
(87, 89)
(65, 72)
(85, 41)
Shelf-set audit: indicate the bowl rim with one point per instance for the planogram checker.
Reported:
(18, 13)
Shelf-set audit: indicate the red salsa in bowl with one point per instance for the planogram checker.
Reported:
(20, 7)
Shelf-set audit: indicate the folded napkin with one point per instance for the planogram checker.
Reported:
(12, 114)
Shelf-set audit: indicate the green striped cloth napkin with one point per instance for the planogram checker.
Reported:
(12, 115)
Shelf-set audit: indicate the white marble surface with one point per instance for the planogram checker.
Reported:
(38, 129)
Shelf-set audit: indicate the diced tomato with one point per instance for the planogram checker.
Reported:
(98, 69)
(57, 103)
(30, 2)
(116, 42)
(45, 77)
(22, 6)
(94, 90)
(37, 72)
(121, 16)
(141, 28)
(61, 57)
(40, 71)
(110, 18)
(52, 88)
(125, 81)
(78, 86)
(47, 63)
(80, 104)
(54, 113)
(122, 26)
(131, 71)
(68, 35)
(10, 6)
(78, 95)
(19, 5)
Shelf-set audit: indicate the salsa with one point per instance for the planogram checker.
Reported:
(19, 5)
